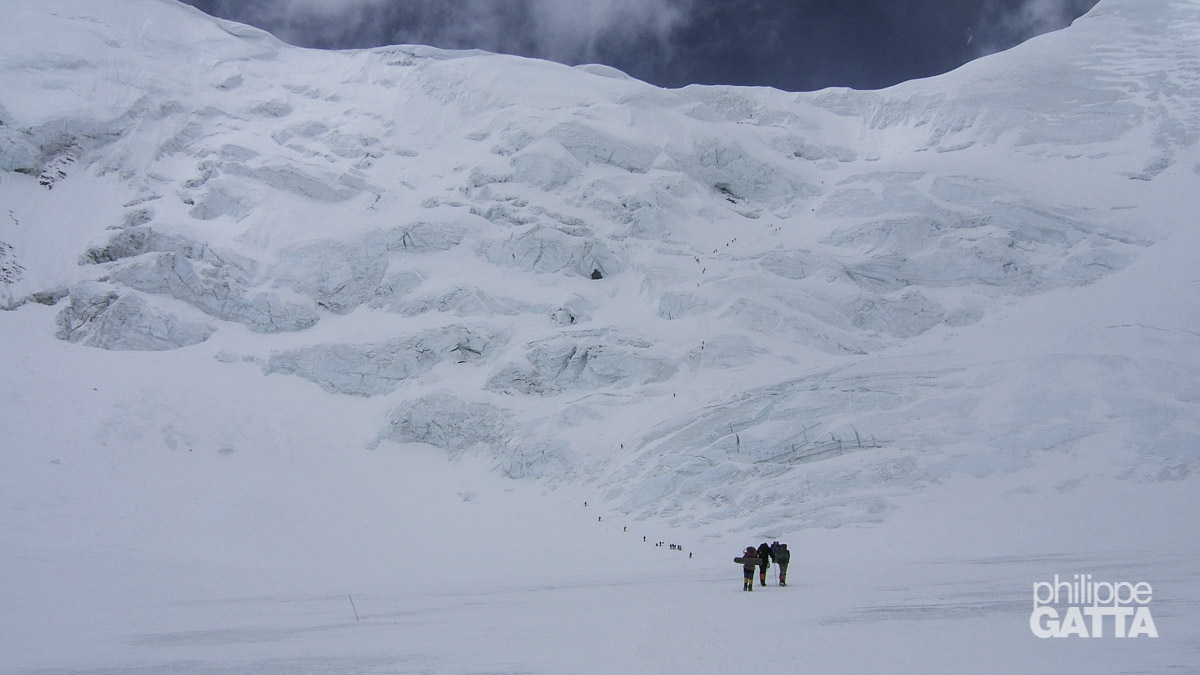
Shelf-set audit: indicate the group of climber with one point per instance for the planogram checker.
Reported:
(764, 554)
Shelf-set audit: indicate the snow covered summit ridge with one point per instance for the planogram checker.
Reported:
(707, 302)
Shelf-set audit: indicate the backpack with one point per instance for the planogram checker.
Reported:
(784, 554)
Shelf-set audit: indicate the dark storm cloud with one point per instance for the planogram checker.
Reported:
(790, 44)
(1005, 23)
(867, 44)
(570, 31)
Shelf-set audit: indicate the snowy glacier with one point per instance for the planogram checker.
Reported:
(344, 308)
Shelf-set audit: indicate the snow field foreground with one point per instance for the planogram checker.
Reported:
(135, 543)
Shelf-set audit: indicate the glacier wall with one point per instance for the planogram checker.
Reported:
(705, 300)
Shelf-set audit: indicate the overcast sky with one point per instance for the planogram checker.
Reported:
(796, 45)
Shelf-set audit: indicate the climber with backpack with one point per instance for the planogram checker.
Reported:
(782, 558)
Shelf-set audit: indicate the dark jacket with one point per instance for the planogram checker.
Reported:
(764, 552)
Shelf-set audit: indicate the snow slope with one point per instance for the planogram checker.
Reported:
(297, 327)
